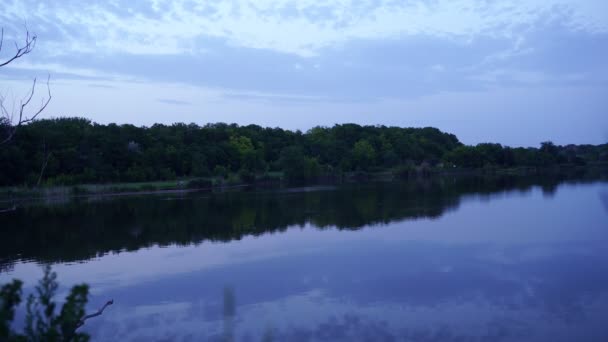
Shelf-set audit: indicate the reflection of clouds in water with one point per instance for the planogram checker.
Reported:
(539, 295)
(514, 267)
(315, 317)
(351, 327)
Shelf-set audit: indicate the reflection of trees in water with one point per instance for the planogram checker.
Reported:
(229, 313)
(604, 199)
(7, 266)
(78, 231)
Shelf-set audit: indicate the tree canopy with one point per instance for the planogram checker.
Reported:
(76, 150)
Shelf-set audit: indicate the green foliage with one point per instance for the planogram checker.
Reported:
(489, 156)
(465, 156)
(297, 166)
(220, 171)
(363, 155)
(79, 151)
(42, 323)
(199, 165)
(405, 171)
(245, 156)
(10, 297)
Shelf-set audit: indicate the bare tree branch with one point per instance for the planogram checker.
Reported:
(28, 46)
(98, 313)
(22, 116)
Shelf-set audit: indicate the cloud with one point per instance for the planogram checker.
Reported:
(339, 54)
(103, 86)
(174, 102)
(172, 27)
(362, 69)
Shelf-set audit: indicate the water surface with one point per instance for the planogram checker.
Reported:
(438, 260)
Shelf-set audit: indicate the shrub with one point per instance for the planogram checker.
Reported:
(199, 183)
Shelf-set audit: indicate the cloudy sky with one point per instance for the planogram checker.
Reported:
(516, 72)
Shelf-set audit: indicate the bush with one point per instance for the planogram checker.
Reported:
(42, 322)
(199, 183)
(405, 171)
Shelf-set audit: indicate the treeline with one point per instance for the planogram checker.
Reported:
(75, 150)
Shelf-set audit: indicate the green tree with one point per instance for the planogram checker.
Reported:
(76, 150)
(490, 154)
(465, 156)
(297, 166)
(548, 153)
(363, 155)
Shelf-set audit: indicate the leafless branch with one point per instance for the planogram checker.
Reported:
(98, 313)
(28, 46)
(22, 116)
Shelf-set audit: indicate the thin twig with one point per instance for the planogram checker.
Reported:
(30, 43)
(98, 313)
(27, 47)
(23, 119)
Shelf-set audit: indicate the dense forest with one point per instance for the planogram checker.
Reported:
(75, 150)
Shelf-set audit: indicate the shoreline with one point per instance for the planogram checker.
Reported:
(11, 196)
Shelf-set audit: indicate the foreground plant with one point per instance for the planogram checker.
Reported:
(42, 322)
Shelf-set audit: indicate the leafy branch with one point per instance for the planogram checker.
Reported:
(42, 323)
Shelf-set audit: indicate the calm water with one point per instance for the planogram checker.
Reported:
(445, 260)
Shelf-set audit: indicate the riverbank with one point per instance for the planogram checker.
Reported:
(11, 195)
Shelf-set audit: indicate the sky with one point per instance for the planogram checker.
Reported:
(517, 72)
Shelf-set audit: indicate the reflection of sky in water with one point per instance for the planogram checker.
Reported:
(511, 267)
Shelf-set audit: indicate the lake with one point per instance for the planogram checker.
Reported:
(450, 259)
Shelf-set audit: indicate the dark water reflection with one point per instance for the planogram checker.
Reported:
(472, 259)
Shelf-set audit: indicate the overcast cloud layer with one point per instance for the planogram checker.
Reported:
(516, 72)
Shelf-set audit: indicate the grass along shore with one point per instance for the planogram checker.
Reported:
(10, 195)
